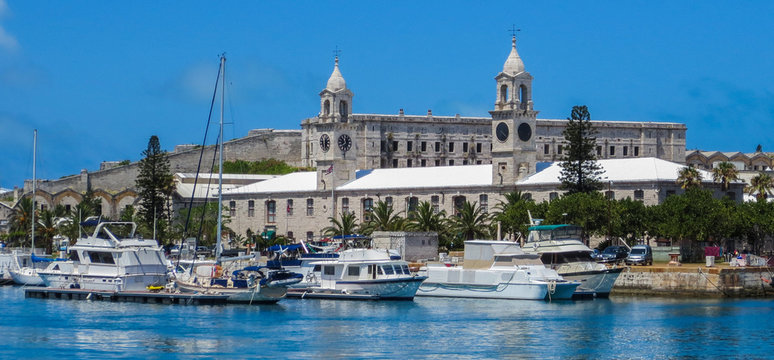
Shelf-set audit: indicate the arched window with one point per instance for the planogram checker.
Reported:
(343, 111)
(327, 107)
(504, 93)
(458, 202)
(523, 96)
(368, 206)
(411, 205)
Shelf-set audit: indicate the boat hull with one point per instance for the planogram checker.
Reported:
(262, 294)
(137, 282)
(26, 276)
(537, 290)
(594, 283)
(378, 289)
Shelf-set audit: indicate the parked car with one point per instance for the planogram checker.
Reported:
(614, 254)
(640, 255)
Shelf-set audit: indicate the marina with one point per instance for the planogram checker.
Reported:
(144, 297)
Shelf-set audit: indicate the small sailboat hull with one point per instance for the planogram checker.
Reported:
(254, 295)
(26, 276)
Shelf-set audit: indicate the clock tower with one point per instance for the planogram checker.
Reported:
(514, 154)
(335, 156)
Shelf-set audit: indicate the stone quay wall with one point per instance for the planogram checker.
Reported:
(696, 280)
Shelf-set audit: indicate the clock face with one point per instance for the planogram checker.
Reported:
(325, 142)
(502, 131)
(345, 143)
(525, 132)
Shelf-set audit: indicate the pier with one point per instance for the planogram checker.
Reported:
(144, 297)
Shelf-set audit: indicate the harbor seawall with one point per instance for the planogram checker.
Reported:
(696, 281)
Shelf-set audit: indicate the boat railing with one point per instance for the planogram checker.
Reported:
(576, 267)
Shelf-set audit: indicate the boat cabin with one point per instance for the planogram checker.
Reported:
(554, 232)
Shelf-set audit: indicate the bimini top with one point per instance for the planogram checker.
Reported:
(549, 227)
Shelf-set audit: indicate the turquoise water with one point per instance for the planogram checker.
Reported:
(621, 327)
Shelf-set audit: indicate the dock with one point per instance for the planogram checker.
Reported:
(143, 297)
(696, 280)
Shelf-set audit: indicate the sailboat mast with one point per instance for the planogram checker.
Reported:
(220, 158)
(34, 181)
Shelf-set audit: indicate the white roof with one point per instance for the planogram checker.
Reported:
(214, 176)
(620, 170)
(293, 182)
(422, 177)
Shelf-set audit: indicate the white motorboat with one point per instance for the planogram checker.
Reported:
(108, 261)
(560, 248)
(357, 274)
(496, 270)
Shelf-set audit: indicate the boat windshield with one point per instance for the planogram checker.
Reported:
(557, 233)
(566, 257)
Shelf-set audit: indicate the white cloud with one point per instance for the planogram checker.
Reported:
(7, 41)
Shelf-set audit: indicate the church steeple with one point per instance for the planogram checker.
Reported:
(335, 99)
(513, 65)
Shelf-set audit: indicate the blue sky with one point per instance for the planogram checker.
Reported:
(98, 78)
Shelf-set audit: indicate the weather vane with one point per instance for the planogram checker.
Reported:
(514, 30)
(336, 52)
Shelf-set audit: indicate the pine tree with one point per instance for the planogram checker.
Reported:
(155, 185)
(580, 170)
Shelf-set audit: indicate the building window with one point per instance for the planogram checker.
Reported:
(464, 147)
(290, 235)
(437, 146)
(232, 208)
(639, 195)
(610, 195)
(478, 147)
(731, 195)
(388, 201)
(464, 162)
(271, 211)
(344, 205)
(599, 150)
(424, 146)
(527, 196)
(625, 150)
(612, 150)
(290, 207)
(483, 201)
(478, 162)
(437, 162)
(394, 163)
(368, 206)
(423, 162)
(458, 201)
(559, 149)
(451, 162)
(394, 146)
(67, 208)
(434, 203)
(546, 149)
(636, 151)
(409, 145)
(309, 236)
(411, 205)
(553, 196)
(309, 207)
(451, 147)
(408, 162)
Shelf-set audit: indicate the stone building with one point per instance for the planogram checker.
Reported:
(361, 159)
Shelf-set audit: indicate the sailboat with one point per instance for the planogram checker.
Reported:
(245, 284)
(23, 273)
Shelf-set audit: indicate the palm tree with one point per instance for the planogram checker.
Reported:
(512, 213)
(383, 218)
(725, 173)
(46, 228)
(760, 186)
(423, 218)
(20, 220)
(347, 226)
(471, 222)
(689, 177)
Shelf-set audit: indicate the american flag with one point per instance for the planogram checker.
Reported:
(330, 170)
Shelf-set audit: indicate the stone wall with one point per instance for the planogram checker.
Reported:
(696, 281)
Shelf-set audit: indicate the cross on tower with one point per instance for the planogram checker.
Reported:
(336, 52)
(514, 30)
